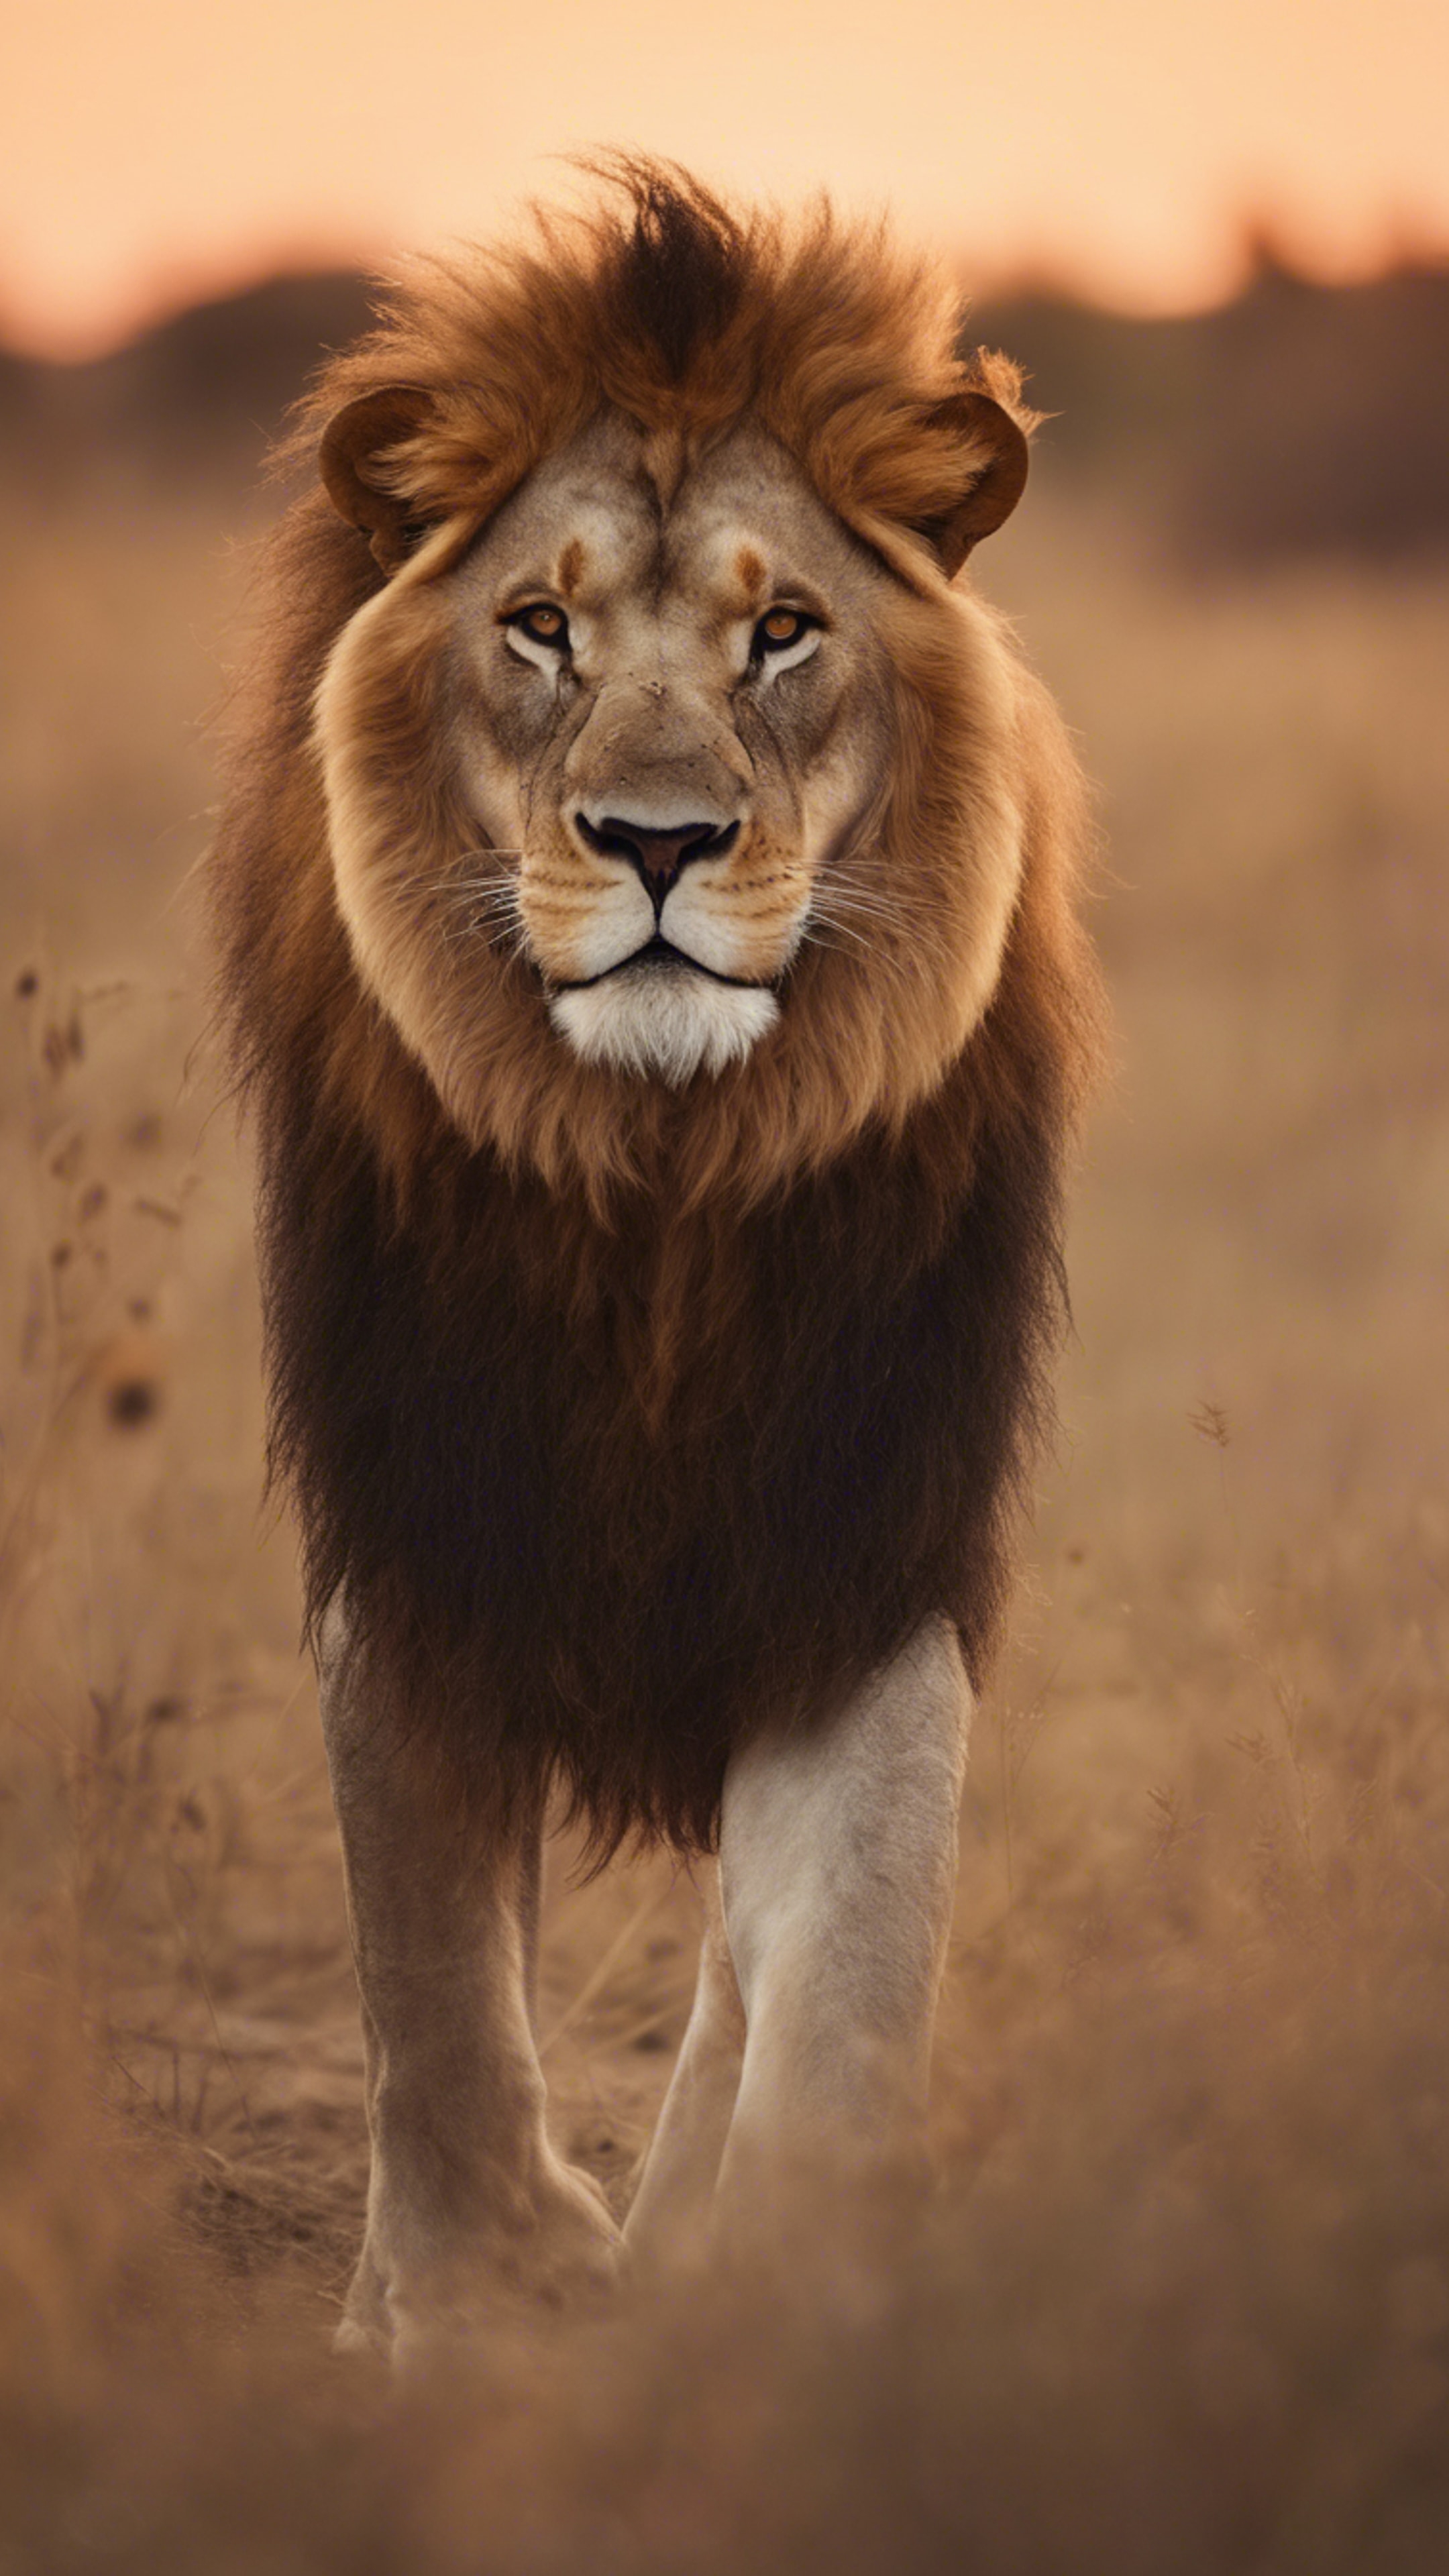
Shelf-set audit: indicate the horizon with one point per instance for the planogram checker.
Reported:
(1262, 257)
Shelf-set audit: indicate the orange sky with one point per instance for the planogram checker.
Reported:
(154, 149)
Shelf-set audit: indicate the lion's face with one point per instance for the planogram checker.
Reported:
(663, 779)
(668, 706)
(664, 699)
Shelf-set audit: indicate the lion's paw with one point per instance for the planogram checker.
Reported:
(561, 2250)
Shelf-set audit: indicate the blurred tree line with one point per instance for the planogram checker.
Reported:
(1298, 419)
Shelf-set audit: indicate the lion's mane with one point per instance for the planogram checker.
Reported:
(644, 1414)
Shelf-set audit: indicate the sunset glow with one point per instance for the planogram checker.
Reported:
(162, 151)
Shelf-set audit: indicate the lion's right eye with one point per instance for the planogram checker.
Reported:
(542, 624)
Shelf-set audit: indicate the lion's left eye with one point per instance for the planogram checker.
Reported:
(779, 628)
(543, 623)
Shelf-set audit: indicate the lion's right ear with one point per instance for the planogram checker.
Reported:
(355, 465)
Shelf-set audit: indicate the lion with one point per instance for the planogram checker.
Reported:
(645, 895)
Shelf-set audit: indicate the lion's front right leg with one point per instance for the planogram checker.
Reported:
(469, 2205)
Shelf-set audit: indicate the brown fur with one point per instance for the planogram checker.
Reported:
(622, 1414)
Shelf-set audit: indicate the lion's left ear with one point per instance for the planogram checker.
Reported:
(354, 465)
(981, 426)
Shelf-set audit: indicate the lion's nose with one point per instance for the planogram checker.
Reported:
(660, 856)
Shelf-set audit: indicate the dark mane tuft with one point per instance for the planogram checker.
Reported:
(680, 272)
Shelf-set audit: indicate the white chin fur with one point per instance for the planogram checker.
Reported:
(671, 1023)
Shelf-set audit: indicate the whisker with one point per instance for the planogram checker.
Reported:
(829, 934)
(875, 895)
(828, 921)
(480, 899)
(508, 934)
(446, 877)
(866, 900)
(884, 917)
(867, 920)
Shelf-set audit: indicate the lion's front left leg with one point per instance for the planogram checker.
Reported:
(468, 2202)
(837, 1869)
